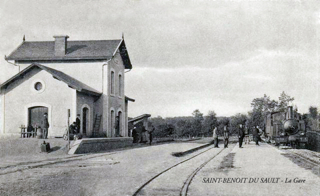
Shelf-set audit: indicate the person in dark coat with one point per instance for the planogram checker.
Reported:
(45, 126)
(117, 126)
(150, 134)
(143, 135)
(226, 136)
(78, 122)
(72, 128)
(135, 135)
(29, 130)
(255, 134)
(241, 135)
(215, 137)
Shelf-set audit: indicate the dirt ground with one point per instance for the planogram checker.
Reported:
(15, 150)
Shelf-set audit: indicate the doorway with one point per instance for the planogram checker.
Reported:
(35, 116)
(85, 120)
(119, 124)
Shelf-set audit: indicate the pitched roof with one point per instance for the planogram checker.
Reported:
(76, 50)
(139, 117)
(70, 81)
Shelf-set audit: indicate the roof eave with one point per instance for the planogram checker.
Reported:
(15, 76)
(90, 92)
(129, 99)
(58, 59)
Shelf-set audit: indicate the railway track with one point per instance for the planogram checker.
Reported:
(184, 189)
(306, 159)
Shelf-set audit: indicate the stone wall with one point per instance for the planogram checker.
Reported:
(313, 140)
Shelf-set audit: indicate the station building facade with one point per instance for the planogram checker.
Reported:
(67, 78)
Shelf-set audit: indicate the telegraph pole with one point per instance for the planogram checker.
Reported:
(68, 129)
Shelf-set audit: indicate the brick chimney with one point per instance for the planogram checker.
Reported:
(60, 45)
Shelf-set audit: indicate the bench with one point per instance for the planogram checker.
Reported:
(26, 134)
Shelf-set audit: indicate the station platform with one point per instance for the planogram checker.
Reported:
(254, 170)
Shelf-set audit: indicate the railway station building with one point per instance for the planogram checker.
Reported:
(67, 78)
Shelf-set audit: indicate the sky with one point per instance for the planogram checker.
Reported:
(187, 54)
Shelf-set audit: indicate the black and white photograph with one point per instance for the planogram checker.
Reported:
(159, 97)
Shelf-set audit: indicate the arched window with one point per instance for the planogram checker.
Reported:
(120, 85)
(112, 82)
(112, 122)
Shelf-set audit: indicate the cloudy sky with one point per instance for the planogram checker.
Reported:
(187, 54)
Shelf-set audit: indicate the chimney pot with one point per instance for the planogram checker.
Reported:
(60, 45)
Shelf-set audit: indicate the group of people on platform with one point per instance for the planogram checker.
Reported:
(74, 128)
(243, 135)
(141, 136)
(44, 127)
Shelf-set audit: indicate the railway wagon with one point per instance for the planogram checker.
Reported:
(287, 128)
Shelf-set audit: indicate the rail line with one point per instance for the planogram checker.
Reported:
(184, 189)
(312, 162)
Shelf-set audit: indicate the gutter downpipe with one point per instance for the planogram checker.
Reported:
(13, 64)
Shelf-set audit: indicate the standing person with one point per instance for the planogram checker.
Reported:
(135, 135)
(143, 135)
(45, 126)
(29, 130)
(246, 135)
(255, 135)
(150, 134)
(215, 137)
(117, 127)
(78, 123)
(241, 135)
(226, 136)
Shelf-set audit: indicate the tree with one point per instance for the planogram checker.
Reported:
(312, 119)
(196, 122)
(313, 112)
(209, 122)
(284, 101)
(261, 107)
(235, 121)
(221, 123)
(264, 104)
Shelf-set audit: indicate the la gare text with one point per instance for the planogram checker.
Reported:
(253, 180)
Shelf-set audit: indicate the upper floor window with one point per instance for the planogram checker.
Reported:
(112, 82)
(120, 85)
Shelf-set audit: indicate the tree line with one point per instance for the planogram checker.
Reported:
(199, 124)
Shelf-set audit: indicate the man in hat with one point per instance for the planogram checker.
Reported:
(226, 136)
(78, 123)
(150, 134)
(241, 135)
(45, 126)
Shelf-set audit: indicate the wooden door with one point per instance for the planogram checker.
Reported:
(36, 115)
